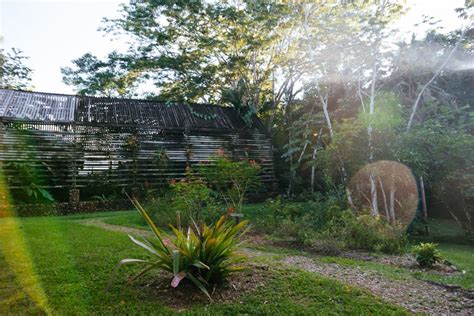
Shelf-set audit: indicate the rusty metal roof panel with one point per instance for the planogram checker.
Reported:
(36, 106)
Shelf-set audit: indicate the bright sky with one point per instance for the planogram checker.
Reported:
(54, 32)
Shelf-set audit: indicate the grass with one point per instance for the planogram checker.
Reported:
(128, 219)
(132, 218)
(462, 256)
(56, 265)
(446, 233)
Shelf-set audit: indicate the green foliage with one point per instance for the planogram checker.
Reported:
(205, 255)
(26, 176)
(368, 232)
(203, 48)
(301, 221)
(183, 201)
(193, 199)
(242, 99)
(325, 226)
(92, 76)
(14, 74)
(231, 179)
(426, 254)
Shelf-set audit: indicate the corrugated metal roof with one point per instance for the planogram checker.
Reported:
(46, 107)
(37, 106)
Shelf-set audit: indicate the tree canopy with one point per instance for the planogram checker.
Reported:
(338, 85)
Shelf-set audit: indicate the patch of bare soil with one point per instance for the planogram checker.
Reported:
(186, 295)
(414, 295)
(256, 238)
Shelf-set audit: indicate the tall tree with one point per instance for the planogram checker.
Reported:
(189, 50)
(14, 74)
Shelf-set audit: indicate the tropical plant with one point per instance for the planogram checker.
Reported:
(204, 255)
(426, 254)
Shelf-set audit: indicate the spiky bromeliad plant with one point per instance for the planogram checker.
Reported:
(203, 254)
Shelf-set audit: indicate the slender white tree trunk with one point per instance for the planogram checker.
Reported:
(392, 204)
(373, 195)
(313, 158)
(313, 168)
(372, 110)
(373, 184)
(387, 214)
(423, 199)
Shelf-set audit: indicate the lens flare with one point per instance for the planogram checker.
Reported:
(15, 251)
(388, 189)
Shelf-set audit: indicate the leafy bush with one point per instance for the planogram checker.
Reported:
(232, 179)
(204, 255)
(367, 232)
(194, 199)
(187, 199)
(301, 221)
(325, 226)
(426, 254)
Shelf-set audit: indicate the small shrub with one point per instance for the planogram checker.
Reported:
(279, 218)
(205, 255)
(191, 197)
(25, 175)
(232, 179)
(367, 232)
(194, 199)
(301, 221)
(426, 254)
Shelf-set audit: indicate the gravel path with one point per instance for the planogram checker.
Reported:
(414, 295)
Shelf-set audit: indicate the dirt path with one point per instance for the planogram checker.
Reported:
(414, 295)
(98, 222)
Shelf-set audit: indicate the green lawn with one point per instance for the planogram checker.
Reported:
(446, 233)
(56, 265)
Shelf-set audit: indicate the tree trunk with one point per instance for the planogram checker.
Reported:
(313, 158)
(373, 196)
(313, 168)
(387, 214)
(423, 198)
(392, 204)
